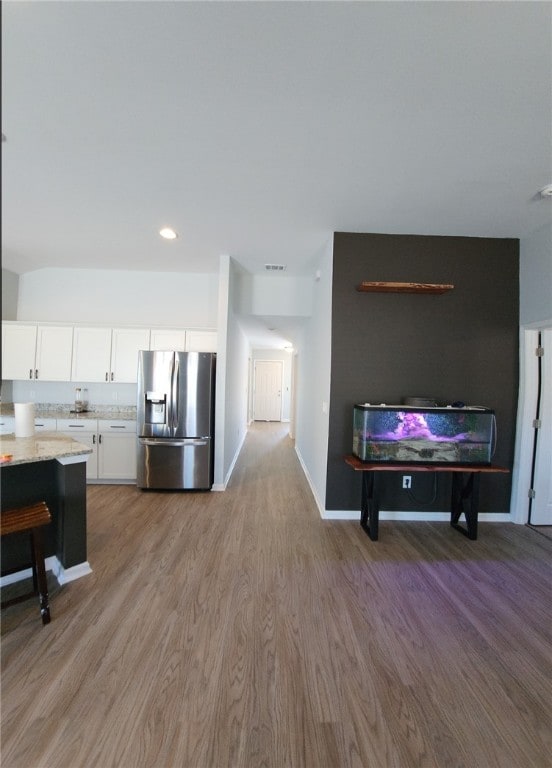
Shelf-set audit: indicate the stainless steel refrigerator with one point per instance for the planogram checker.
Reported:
(175, 419)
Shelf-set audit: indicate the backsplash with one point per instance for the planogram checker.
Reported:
(54, 393)
(53, 408)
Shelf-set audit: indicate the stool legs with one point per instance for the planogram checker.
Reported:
(40, 582)
(31, 520)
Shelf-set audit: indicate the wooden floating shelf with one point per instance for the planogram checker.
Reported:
(386, 287)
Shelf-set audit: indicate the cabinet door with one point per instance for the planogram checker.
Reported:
(201, 341)
(54, 345)
(117, 456)
(168, 339)
(45, 425)
(7, 425)
(91, 354)
(18, 351)
(91, 440)
(125, 345)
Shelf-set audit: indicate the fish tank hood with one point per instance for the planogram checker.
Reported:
(409, 434)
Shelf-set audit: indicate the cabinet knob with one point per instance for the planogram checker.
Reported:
(93, 439)
(106, 376)
(30, 373)
(36, 373)
(111, 375)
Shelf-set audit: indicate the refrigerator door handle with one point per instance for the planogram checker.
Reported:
(170, 409)
(175, 383)
(172, 443)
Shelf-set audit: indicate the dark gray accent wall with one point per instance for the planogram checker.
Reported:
(462, 345)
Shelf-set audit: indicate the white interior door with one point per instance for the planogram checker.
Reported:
(541, 507)
(267, 400)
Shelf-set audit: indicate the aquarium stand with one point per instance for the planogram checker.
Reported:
(464, 493)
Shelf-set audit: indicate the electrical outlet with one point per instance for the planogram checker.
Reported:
(407, 481)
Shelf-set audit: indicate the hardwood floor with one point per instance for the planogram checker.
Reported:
(239, 629)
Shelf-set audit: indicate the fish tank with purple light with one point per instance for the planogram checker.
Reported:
(433, 435)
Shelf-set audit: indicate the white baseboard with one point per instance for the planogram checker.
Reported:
(483, 517)
(97, 481)
(222, 486)
(13, 578)
(311, 485)
(63, 575)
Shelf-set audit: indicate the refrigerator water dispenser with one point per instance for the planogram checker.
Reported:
(156, 408)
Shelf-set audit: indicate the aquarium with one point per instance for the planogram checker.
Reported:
(403, 434)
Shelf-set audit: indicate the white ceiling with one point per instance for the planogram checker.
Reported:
(258, 129)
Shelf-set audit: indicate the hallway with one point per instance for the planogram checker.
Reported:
(239, 629)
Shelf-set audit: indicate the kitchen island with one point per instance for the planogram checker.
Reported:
(47, 467)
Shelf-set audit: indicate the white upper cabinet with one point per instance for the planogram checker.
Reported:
(105, 354)
(36, 352)
(18, 351)
(201, 341)
(91, 354)
(166, 338)
(54, 346)
(125, 345)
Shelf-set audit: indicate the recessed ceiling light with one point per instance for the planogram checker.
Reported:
(546, 191)
(168, 233)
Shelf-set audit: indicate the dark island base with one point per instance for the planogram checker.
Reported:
(63, 488)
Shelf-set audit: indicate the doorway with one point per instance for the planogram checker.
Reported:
(267, 390)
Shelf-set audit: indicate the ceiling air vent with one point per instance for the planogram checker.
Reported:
(275, 267)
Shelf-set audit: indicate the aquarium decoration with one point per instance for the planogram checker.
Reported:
(440, 435)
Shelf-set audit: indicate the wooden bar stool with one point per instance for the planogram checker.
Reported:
(32, 519)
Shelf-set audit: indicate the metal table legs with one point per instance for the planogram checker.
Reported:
(369, 505)
(464, 499)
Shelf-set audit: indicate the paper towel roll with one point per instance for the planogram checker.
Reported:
(24, 419)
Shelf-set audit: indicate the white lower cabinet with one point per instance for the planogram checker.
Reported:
(85, 431)
(113, 443)
(45, 425)
(7, 425)
(116, 450)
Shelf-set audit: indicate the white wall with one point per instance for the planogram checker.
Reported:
(275, 294)
(116, 296)
(113, 297)
(10, 289)
(313, 386)
(232, 376)
(285, 357)
(535, 304)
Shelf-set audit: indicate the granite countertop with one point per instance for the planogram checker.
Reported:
(58, 411)
(43, 446)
